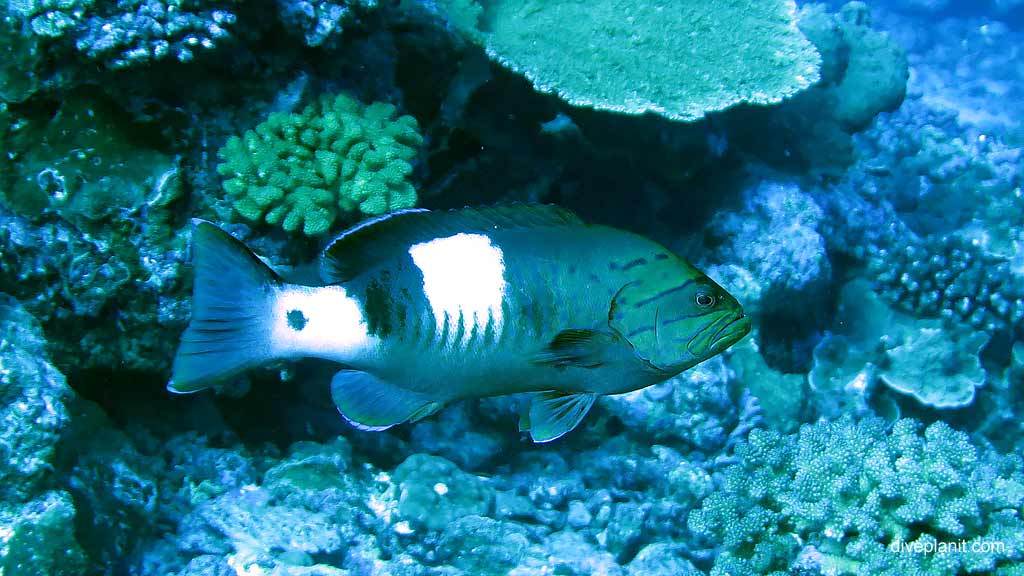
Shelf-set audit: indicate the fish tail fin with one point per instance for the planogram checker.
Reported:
(233, 296)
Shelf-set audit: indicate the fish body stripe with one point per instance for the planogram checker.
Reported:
(426, 329)
(664, 293)
(490, 336)
(628, 265)
(668, 322)
(506, 327)
(460, 329)
(682, 317)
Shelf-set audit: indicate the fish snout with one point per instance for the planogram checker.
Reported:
(731, 333)
(719, 334)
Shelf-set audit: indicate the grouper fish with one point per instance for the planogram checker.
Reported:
(424, 308)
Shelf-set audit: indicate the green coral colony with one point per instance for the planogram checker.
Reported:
(416, 176)
(301, 171)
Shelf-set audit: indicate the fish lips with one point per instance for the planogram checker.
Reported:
(719, 335)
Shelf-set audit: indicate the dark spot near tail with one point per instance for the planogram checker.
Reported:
(661, 256)
(297, 320)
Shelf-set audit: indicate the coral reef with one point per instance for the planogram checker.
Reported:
(952, 278)
(128, 32)
(935, 369)
(319, 22)
(775, 237)
(772, 62)
(864, 72)
(780, 396)
(85, 163)
(37, 533)
(301, 171)
(939, 367)
(840, 496)
(852, 176)
(89, 241)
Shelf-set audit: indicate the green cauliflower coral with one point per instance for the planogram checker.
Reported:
(302, 170)
(858, 498)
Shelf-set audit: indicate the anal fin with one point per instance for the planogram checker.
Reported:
(553, 414)
(372, 404)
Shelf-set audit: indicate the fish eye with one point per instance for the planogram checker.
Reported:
(704, 299)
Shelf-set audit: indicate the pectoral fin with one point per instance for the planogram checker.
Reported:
(580, 348)
(553, 414)
(369, 403)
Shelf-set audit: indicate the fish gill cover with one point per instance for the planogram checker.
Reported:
(850, 173)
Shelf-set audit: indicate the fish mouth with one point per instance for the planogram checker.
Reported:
(731, 333)
(719, 335)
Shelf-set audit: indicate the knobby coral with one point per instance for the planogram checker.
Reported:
(301, 170)
(955, 279)
(129, 32)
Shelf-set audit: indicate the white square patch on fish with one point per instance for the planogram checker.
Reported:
(324, 322)
(462, 273)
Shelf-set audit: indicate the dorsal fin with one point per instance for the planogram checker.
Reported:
(376, 240)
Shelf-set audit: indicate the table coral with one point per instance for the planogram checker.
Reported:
(301, 171)
(681, 60)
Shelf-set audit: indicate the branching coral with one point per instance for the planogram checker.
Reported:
(300, 171)
(952, 278)
(842, 496)
(129, 32)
